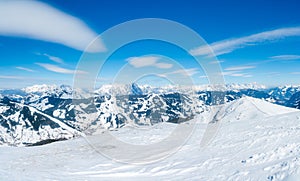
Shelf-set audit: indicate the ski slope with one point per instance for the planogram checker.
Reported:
(256, 140)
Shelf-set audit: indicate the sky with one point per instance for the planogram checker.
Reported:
(42, 42)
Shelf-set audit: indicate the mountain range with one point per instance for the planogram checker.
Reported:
(45, 113)
(256, 140)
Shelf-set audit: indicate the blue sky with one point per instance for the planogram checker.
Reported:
(255, 41)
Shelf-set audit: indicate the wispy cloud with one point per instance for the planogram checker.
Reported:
(235, 74)
(26, 69)
(216, 61)
(185, 72)
(295, 73)
(11, 77)
(285, 57)
(229, 45)
(239, 68)
(57, 69)
(37, 20)
(52, 58)
(163, 65)
(203, 76)
(147, 61)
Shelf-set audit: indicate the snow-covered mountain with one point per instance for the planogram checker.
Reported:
(249, 108)
(24, 125)
(102, 111)
(283, 94)
(294, 101)
(111, 107)
(256, 140)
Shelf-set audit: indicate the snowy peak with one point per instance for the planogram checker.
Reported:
(254, 86)
(136, 90)
(40, 88)
(263, 106)
(248, 108)
(63, 91)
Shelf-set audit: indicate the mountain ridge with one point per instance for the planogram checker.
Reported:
(132, 104)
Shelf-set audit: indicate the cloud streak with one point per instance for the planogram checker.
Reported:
(230, 45)
(37, 20)
(148, 61)
(239, 68)
(235, 73)
(25, 69)
(185, 72)
(11, 77)
(57, 69)
(285, 57)
(52, 58)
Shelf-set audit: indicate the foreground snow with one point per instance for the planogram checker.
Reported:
(253, 142)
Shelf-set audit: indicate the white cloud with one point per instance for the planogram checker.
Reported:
(286, 57)
(185, 72)
(217, 62)
(26, 69)
(37, 20)
(52, 58)
(229, 45)
(295, 73)
(203, 77)
(147, 61)
(235, 74)
(138, 62)
(228, 73)
(11, 77)
(238, 68)
(163, 65)
(58, 69)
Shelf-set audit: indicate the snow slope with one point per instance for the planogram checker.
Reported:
(261, 147)
(248, 108)
(24, 125)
